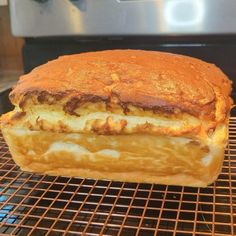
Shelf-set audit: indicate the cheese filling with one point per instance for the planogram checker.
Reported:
(57, 120)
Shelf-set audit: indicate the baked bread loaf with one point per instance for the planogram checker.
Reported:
(126, 115)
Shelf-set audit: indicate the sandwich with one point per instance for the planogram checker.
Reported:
(124, 115)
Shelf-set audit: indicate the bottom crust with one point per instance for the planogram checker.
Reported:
(130, 158)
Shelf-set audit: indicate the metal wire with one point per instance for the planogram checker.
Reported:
(33, 204)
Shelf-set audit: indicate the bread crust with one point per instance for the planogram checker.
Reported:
(162, 83)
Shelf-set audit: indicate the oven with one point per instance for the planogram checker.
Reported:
(32, 204)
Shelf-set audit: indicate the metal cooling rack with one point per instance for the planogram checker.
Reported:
(33, 204)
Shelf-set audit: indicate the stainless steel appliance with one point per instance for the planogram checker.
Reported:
(35, 204)
(38, 18)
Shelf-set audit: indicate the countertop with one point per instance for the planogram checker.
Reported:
(8, 79)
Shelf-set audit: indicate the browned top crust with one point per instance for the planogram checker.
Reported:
(157, 81)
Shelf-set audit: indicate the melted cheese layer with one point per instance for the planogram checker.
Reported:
(49, 119)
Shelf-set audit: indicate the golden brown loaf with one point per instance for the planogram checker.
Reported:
(157, 81)
(170, 104)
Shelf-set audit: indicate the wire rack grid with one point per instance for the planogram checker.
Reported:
(32, 204)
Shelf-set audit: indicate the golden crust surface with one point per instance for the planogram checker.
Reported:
(160, 82)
